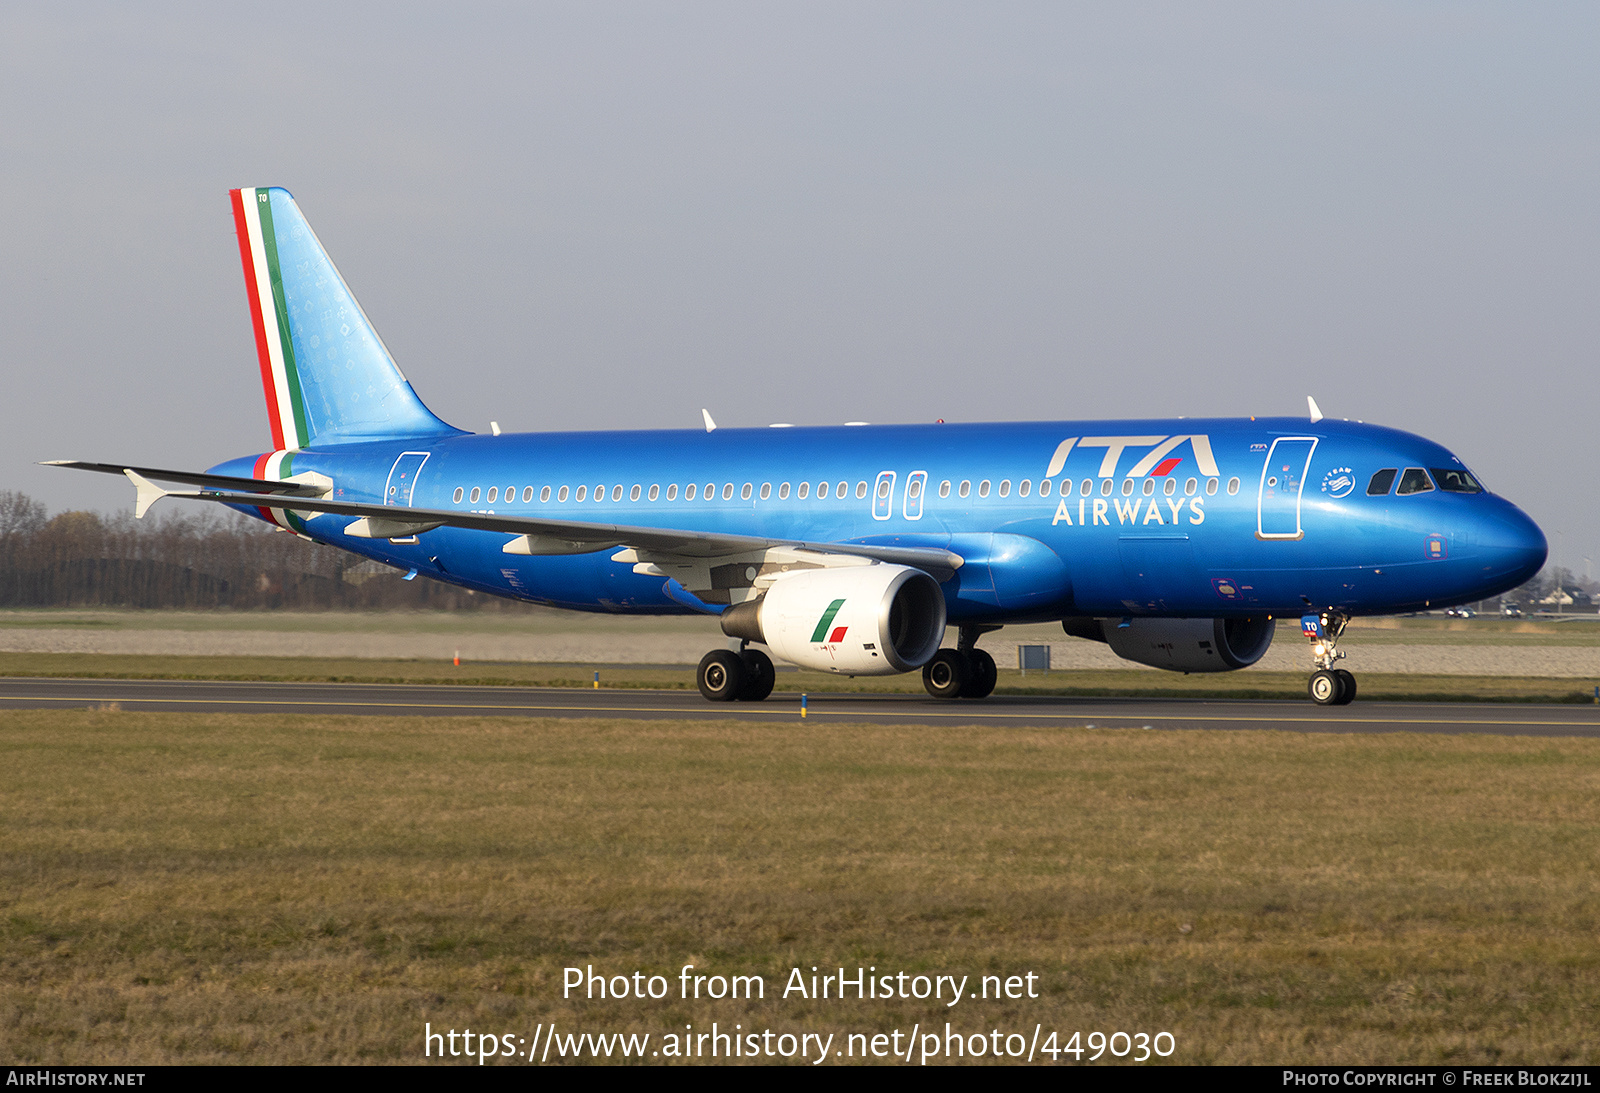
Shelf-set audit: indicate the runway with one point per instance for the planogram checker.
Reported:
(1021, 711)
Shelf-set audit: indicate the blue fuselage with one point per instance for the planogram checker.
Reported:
(1126, 520)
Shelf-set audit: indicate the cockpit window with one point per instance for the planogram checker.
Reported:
(1455, 480)
(1379, 486)
(1415, 480)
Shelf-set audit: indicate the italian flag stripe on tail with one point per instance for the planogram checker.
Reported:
(269, 314)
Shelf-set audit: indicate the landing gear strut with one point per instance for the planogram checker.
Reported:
(1328, 686)
(963, 672)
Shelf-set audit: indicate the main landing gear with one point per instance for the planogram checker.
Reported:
(1328, 686)
(726, 676)
(963, 672)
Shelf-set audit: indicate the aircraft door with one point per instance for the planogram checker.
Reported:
(1283, 476)
(403, 478)
(402, 481)
(883, 496)
(916, 485)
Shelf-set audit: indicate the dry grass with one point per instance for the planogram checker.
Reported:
(194, 888)
(1128, 683)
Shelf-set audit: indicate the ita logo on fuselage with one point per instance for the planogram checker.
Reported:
(1158, 462)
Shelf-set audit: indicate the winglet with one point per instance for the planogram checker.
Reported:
(711, 426)
(1316, 414)
(149, 493)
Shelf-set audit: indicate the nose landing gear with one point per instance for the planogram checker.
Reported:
(1328, 686)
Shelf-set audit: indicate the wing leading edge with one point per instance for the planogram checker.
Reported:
(647, 547)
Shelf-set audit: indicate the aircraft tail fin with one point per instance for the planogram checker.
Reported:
(327, 375)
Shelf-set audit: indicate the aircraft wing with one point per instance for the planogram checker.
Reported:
(648, 546)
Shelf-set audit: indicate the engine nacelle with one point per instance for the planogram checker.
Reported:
(867, 620)
(1181, 645)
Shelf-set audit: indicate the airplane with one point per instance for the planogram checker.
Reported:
(853, 549)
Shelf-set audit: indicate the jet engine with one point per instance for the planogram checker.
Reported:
(859, 620)
(1181, 645)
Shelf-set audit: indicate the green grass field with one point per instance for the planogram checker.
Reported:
(195, 888)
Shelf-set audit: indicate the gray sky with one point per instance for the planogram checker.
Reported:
(588, 216)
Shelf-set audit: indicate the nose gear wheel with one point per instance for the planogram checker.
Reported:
(1328, 686)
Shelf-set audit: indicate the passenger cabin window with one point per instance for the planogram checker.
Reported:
(822, 491)
(633, 494)
(494, 492)
(476, 493)
(1005, 487)
(1127, 487)
(511, 494)
(1415, 480)
(1086, 487)
(527, 494)
(1149, 486)
(689, 492)
(1189, 487)
(1211, 486)
(561, 495)
(744, 494)
(1044, 488)
(861, 489)
(842, 491)
(582, 494)
(944, 488)
(544, 495)
(1233, 486)
(1171, 487)
(616, 493)
(1105, 487)
(805, 488)
(655, 491)
(766, 490)
(983, 488)
(1455, 480)
(1381, 481)
(456, 497)
(1026, 485)
(783, 492)
(672, 492)
(965, 488)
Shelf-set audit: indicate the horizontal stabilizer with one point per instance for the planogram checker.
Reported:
(194, 478)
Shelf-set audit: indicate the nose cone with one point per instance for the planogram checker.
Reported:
(1511, 545)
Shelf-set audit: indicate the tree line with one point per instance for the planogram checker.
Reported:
(211, 557)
